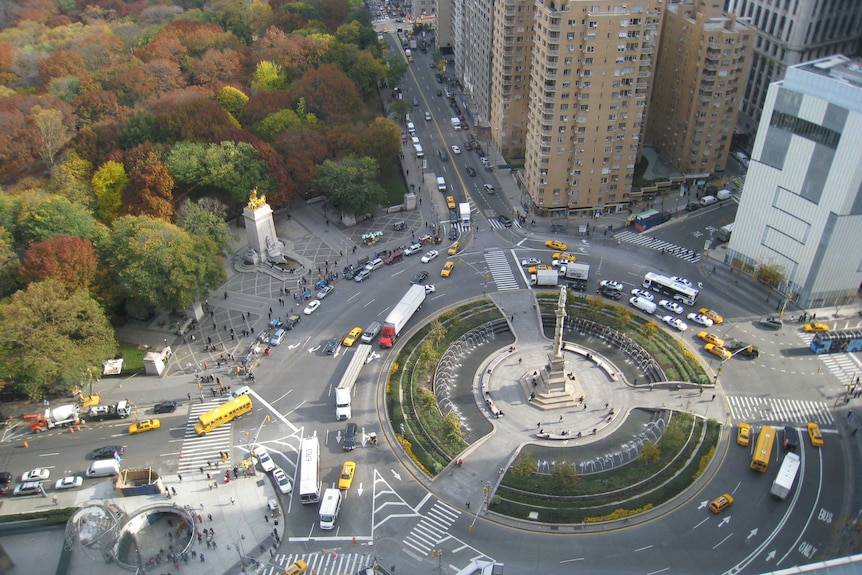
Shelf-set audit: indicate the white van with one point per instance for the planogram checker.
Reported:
(370, 332)
(642, 304)
(415, 141)
(330, 505)
(707, 200)
(723, 195)
(277, 337)
(419, 151)
(411, 128)
(103, 468)
(441, 183)
(242, 390)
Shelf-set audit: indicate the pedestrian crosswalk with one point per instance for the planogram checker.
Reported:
(324, 563)
(780, 411)
(431, 529)
(197, 451)
(501, 270)
(497, 224)
(841, 365)
(648, 241)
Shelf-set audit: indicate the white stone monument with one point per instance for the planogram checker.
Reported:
(260, 229)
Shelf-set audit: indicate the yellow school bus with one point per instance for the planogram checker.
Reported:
(763, 449)
(224, 413)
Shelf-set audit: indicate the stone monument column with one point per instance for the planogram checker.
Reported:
(260, 229)
(555, 389)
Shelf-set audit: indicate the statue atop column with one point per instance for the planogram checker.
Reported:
(558, 328)
(260, 230)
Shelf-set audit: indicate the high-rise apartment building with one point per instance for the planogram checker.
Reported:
(790, 32)
(703, 62)
(590, 83)
(471, 43)
(801, 207)
(512, 44)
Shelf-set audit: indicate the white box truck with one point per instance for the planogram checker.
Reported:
(544, 278)
(464, 209)
(330, 505)
(456, 123)
(401, 314)
(348, 380)
(577, 275)
(786, 475)
(441, 183)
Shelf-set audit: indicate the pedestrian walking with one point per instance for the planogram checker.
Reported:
(266, 518)
(713, 397)
(189, 395)
(202, 555)
(232, 501)
(275, 522)
(468, 505)
(180, 477)
(538, 425)
(174, 491)
(209, 516)
(561, 418)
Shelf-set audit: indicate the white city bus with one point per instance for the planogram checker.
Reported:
(675, 290)
(309, 471)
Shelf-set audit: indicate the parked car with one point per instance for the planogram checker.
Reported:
(71, 482)
(361, 276)
(38, 474)
(281, 480)
(325, 292)
(29, 488)
(412, 249)
(165, 407)
(263, 458)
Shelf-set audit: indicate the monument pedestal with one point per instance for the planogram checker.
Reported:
(260, 230)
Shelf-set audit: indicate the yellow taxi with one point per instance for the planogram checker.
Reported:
(814, 435)
(719, 504)
(815, 327)
(717, 350)
(347, 472)
(447, 269)
(555, 245)
(535, 269)
(563, 257)
(743, 434)
(146, 425)
(454, 248)
(711, 314)
(298, 567)
(351, 337)
(710, 338)
(450, 202)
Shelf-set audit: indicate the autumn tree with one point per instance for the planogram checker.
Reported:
(382, 141)
(350, 184)
(564, 475)
(196, 119)
(206, 218)
(69, 260)
(232, 100)
(330, 94)
(770, 274)
(94, 106)
(156, 264)
(150, 188)
(140, 128)
(52, 130)
(267, 76)
(217, 68)
(71, 179)
(9, 263)
(303, 150)
(109, 181)
(78, 334)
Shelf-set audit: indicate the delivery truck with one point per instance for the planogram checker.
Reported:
(577, 276)
(464, 210)
(119, 410)
(401, 314)
(456, 123)
(544, 278)
(345, 387)
(786, 475)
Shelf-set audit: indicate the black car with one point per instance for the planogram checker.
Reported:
(443, 155)
(419, 278)
(349, 443)
(471, 171)
(692, 207)
(292, 320)
(165, 407)
(610, 293)
(453, 233)
(107, 452)
(331, 346)
(505, 221)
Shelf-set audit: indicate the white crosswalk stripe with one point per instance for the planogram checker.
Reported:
(501, 270)
(327, 563)
(647, 241)
(841, 365)
(780, 411)
(495, 223)
(197, 451)
(431, 529)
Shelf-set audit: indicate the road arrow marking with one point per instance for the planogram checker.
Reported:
(770, 556)
(313, 349)
(752, 534)
(360, 489)
(725, 520)
(398, 477)
(703, 504)
(294, 346)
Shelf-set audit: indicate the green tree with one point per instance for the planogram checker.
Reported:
(157, 264)
(72, 179)
(564, 475)
(382, 141)
(437, 332)
(427, 355)
(232, 100)
(649, 329)
(350, 184)
(650, 452)
(452, 428)
(278, 123)
(268, 76)
(51, 337)
(142, 127)
(234, 167)
(9, 263)
(206, 218)
(395, 71)
(109, 181)
(45, 216)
